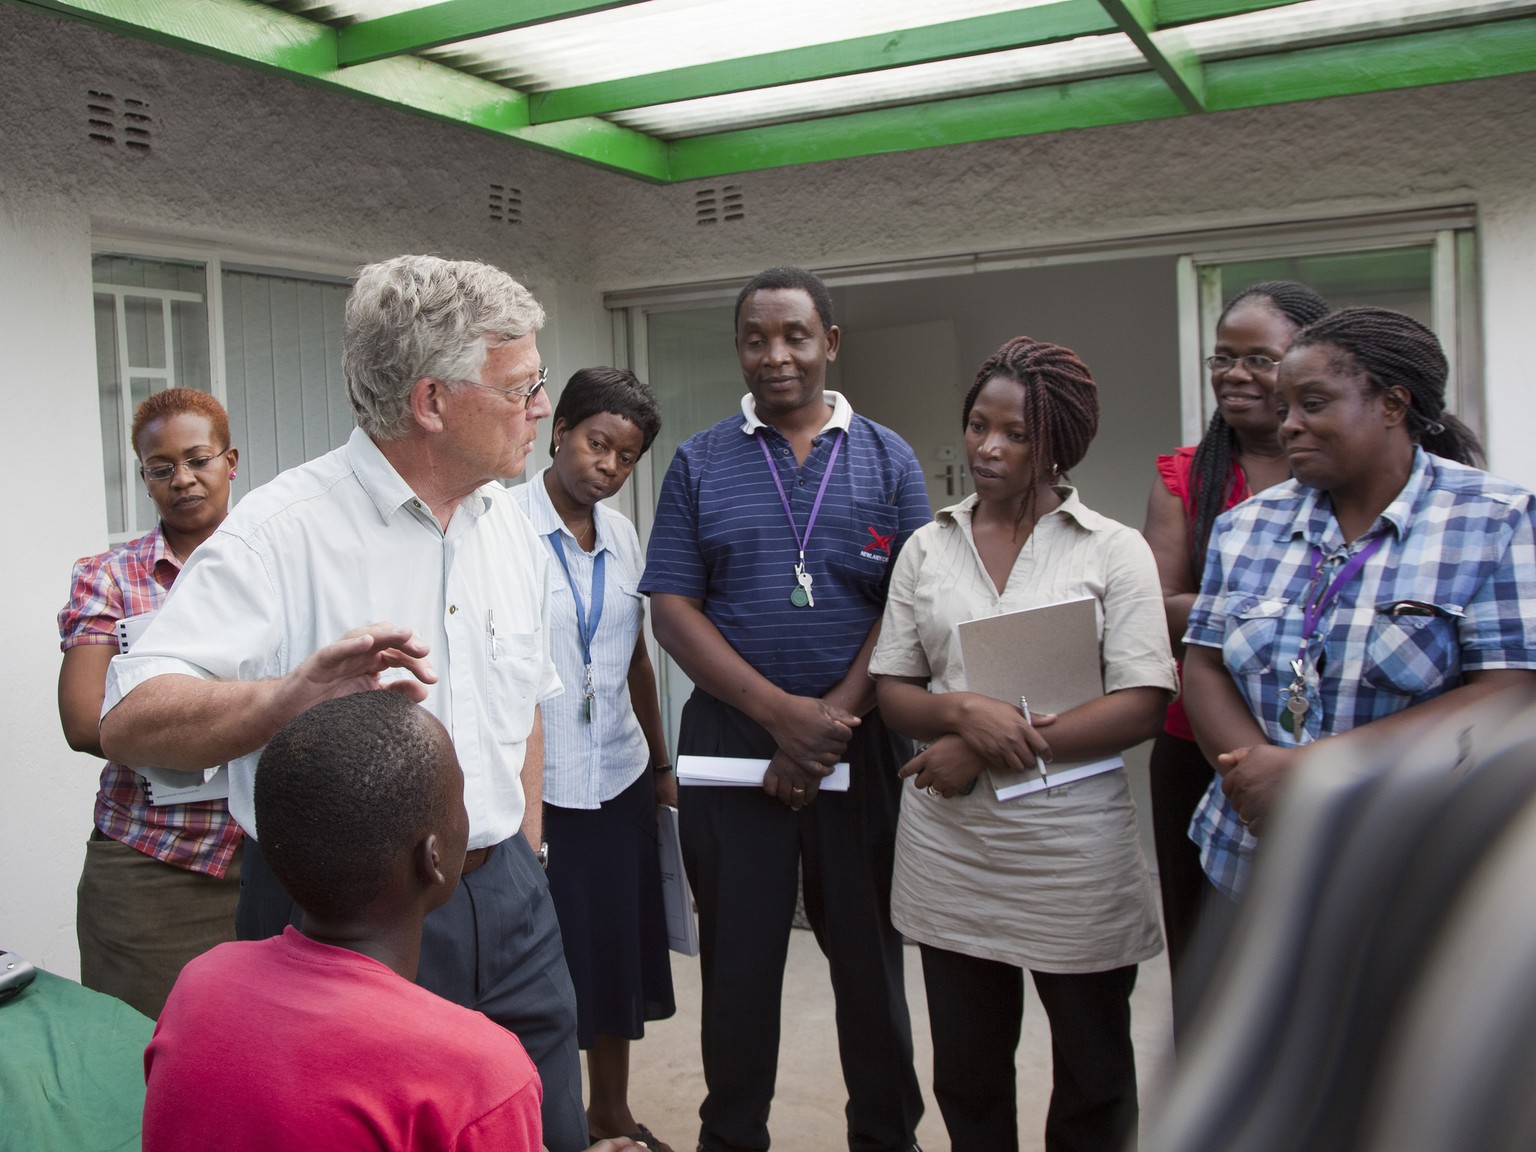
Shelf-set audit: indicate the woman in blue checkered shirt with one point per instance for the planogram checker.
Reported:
(1390, 582)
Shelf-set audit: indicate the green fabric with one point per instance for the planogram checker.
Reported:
(71, 1069)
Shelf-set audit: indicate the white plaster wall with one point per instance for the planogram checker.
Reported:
(50, 470)
(1451, 144)
(253, 163)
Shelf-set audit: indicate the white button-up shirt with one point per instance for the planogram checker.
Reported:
(343, 541)
(588, 762)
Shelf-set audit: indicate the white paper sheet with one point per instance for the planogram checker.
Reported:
(676, 894)
(739, 771)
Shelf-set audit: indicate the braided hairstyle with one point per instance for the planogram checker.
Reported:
(1061, 401)
(1210, 472)
(1395, 351)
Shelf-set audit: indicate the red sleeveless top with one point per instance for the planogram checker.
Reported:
(1174, 471)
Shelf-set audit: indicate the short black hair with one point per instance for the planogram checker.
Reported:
(788, 277)
(343, 791)
(603, 389)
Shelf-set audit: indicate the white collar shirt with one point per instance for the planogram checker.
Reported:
(343, 541)
(588, 761)
(842, 413)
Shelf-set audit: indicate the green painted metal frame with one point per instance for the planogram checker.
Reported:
(971, 37)
(451, 21)
(1180, 70)
(256, 35)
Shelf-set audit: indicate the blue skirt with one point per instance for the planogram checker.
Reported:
(605, 878)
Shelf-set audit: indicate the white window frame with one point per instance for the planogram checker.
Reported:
(1453, 303)
(213, 258)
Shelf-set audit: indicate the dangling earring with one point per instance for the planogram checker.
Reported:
(555, 451)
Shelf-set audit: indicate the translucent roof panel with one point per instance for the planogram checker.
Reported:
(670, 90)
(665, 34)
(1335, 21)
(1077, 59)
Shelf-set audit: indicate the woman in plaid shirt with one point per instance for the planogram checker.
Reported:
(160, 884)
(1389, 583)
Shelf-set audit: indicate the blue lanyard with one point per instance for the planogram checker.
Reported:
(586, 626)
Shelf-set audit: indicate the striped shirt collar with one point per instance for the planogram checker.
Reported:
(842, 414)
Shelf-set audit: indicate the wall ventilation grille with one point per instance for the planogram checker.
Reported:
(717, 205)
(506, 204)
(118, 122)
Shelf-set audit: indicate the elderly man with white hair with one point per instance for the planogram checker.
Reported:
(398, 562)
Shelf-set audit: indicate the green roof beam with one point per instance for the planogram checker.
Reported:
(1180, 68)
(971, 37)
(450, 22)
(1410, 60)
(965, 119)
(1170, 12)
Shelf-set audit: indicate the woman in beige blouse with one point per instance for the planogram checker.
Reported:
(1053, 882)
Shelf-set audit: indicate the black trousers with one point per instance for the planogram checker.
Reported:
(741, 848)
(1180, 774)
(975, 1010)
(494, 947)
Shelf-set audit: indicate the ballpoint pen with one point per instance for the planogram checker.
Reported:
(1039, 759)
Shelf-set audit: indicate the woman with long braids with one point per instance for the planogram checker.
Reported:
(1389, 583)
(1240, 454)
(1053, 882)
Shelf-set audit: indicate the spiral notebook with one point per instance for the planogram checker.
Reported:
(1049, 655)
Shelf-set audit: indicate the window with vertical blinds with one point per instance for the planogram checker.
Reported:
(163, 323)
(282, 371)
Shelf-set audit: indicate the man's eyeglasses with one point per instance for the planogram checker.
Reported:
(1258, 365)
(523, 394)
(160, 473)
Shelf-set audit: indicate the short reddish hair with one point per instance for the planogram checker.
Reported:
(175, 401)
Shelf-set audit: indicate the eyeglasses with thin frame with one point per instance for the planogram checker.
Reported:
(160, 473)
(524, 394)
(1258, 365)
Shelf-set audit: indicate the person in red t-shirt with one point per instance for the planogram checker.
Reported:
(319, 1038)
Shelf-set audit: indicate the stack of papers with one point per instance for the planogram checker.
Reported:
(735, 770)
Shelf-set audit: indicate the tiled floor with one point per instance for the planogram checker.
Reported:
(667, 1081)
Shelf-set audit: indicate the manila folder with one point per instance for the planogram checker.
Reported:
(1049, 655)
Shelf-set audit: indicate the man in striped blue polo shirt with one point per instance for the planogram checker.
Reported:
(767, 570)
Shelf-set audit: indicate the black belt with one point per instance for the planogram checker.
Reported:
(476, 857)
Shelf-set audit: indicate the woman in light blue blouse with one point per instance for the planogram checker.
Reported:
(605, 755)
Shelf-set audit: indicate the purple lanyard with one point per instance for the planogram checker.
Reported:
(801, 543)
(1313, 615)
(1295, 698)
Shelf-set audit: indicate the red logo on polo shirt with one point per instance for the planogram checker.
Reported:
(877, 545)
